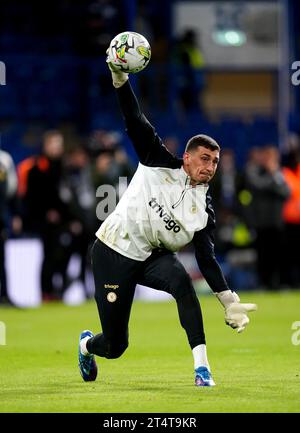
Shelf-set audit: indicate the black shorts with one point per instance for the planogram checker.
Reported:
(116, 277)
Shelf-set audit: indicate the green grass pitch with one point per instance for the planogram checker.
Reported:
(255, 371)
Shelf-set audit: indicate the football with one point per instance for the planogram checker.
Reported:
(129, 52)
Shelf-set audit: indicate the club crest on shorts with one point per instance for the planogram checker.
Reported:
(111, 297)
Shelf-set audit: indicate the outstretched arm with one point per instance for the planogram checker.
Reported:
(147, 143)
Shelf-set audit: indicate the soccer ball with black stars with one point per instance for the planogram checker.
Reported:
(129, 52)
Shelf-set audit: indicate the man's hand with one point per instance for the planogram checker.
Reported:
(235, 312)
(236, 317)
(119, 77)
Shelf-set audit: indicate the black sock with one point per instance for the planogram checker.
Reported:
(97, 345)
(110, 349)
(191, 318)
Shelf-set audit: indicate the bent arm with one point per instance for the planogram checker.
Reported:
(207, 262)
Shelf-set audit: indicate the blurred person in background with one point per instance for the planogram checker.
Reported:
(78, 195)
(189, 77)
(226, 184)
(269, 191)
(111, 162)
(291, 216)
(44, 210)
(223, 188)
(233, 237)
(9, 218)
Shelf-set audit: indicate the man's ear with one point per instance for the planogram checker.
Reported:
(186, 157)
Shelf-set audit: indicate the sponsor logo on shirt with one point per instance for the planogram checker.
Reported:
(163, 214)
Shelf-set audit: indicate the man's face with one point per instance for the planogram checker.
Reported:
(201, 164)
(54, 146)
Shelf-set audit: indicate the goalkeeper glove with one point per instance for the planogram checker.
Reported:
(235, 312)
(118, 77)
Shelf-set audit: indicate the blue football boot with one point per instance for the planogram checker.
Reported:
(203, 377)
(87, 364)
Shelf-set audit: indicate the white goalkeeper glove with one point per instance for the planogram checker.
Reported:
(118, 77)
(235, 312)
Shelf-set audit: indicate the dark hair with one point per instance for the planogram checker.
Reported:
(51, 133)
(201, 140)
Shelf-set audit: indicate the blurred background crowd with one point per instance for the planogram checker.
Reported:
(219, 68)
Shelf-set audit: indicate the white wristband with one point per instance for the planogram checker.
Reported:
(227, 297)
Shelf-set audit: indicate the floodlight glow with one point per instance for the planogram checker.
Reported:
(230, 37)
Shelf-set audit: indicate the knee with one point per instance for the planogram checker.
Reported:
(115, 350)
(181, 285)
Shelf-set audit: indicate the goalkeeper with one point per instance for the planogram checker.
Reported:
(166, 206)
